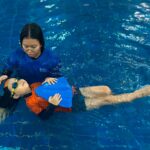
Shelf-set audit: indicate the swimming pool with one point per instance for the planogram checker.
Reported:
(99, 42)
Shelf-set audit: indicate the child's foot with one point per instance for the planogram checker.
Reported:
(145, 91)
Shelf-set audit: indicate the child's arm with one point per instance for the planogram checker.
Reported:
(46, 113)
(54, 101)
(38, 110)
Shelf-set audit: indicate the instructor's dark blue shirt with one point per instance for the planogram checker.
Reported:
(30, 69)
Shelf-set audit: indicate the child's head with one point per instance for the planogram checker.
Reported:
(31, 38)
(17, 87)
(13, 90)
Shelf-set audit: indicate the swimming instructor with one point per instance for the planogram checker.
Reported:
(32, 62)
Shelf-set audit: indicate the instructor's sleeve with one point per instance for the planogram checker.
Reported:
(10, 65)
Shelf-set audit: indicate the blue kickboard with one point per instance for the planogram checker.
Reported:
(61, 86)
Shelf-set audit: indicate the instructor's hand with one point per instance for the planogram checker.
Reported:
(50, 80)
(2, 78)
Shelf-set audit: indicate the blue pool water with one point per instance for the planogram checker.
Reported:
(99, 42)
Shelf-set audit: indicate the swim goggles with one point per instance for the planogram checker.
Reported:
(32, 47)
(14, 86)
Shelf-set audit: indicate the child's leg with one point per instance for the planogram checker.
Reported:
(144, 91)
(95, 91)
(92, 103)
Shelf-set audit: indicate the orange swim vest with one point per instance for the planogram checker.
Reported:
(37, 104)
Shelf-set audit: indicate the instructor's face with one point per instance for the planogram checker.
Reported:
(31, 47)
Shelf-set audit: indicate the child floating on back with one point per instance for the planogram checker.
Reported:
(45, 99)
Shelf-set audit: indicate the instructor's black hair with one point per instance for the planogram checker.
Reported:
(34, 31)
